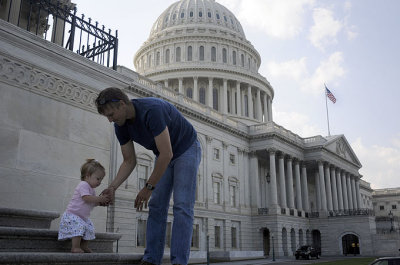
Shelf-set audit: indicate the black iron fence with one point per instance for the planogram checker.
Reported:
(56, 21)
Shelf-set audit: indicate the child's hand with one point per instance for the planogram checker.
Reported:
(104, 200)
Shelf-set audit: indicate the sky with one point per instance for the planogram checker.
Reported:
(351, 46)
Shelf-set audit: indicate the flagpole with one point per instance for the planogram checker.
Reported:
(327, 114)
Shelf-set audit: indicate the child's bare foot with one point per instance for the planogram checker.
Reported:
(77, 250)
(87, 250)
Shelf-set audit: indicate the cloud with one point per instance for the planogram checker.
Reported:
(329, 70)
(325, 28)
(283, 19)
(296, 122)
(381, 164)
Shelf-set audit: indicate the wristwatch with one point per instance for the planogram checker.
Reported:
(149, 186)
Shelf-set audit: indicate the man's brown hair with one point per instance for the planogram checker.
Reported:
(110, 97)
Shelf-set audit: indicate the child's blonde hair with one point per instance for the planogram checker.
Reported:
(90, 167)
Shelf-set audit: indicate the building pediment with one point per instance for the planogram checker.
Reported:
(339, 145)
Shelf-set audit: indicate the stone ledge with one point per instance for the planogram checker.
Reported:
(68, 258)
(26, 218)
(14, 239)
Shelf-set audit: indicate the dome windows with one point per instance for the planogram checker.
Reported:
(217, 15)
(209, 14)
(178, 54)
(201, 53)
(213, 54)
(182, 15)
(224, 57)
(200, 14)
(234, 57)
(189, 53)
(167, 56)
(226, 20)
(191, 14)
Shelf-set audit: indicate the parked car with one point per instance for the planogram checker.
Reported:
(307, 252)
(386, 261)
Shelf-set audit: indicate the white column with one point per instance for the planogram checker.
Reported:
(256, 201)
(358, 193)
(353, 192)
(322, 185)
(304, 188)
(225, 97)
(282, 181)
(269, 109)
(250, 102)
(195, 89)
(328, 187)
(334, 189)
(289, 181)
(273, 191)
(344, 186)
(265, 107)
(238, 99)
(340, 193)
(259, 110)
(349, 194)
(210, 93)
(298, 185)
(180, 80)
(318, 191)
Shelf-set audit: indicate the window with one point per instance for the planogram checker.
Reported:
(209, 14)
(249, 64)
(202, 95)
(142, 175)
(191, 14)
(189, 53)
(246, 107)
(182, 15)
(200, 14)
(213, 54)
(149, 60)
(234, 237)
(232, 195)
(226, 20)
(242, 60)
(201, 53)
(232, 159)
(217, 192)
(234, 57)
(216, 153)
(167, 56)
(174, 16)
(217, 15)
(381, 207)
(168, 235)
(215, 99)
(158, 58)
(228, 95)
(189, 92)
(394, 207)
(217, 236)
(224, 59)
(178, 54)
(141, 233)
(195, 236)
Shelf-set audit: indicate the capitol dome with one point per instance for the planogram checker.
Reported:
(199, 49)
(206, 12)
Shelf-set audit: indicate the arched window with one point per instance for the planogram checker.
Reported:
(200, 14)
(215, 98)
(149, 61)
(249, 63)
(202, 95)
(189, 92)
(167, 56)
(191, 14)
(178, 54)
(158, 58)
(182, 15)
(189, 53)
(242, 60)
(209, 14)
(234, 57)
(246, 106)
(201, 53)
(213, 54)
(217, 16)
(224, 59)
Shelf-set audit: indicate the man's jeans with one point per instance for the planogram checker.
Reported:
(179, 178)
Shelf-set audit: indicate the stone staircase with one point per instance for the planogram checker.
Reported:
(26, 238)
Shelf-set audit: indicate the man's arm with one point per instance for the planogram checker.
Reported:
(164, 147)
(125, 169)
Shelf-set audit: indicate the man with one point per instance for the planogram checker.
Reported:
(158, 126)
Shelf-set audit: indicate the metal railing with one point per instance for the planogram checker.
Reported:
(59, 18)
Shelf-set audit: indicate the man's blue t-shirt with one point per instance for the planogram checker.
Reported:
(152, 116)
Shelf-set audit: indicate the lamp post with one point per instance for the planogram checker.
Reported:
(391, 221)
(273, 248)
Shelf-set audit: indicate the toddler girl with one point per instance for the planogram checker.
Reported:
(75, 222)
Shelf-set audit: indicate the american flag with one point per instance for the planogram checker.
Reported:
(330, 95)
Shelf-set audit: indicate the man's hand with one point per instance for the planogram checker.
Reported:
(142, 198)
(109, 193)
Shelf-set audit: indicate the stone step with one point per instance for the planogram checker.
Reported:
(26, 218)
(17, 239)
(27, 258)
